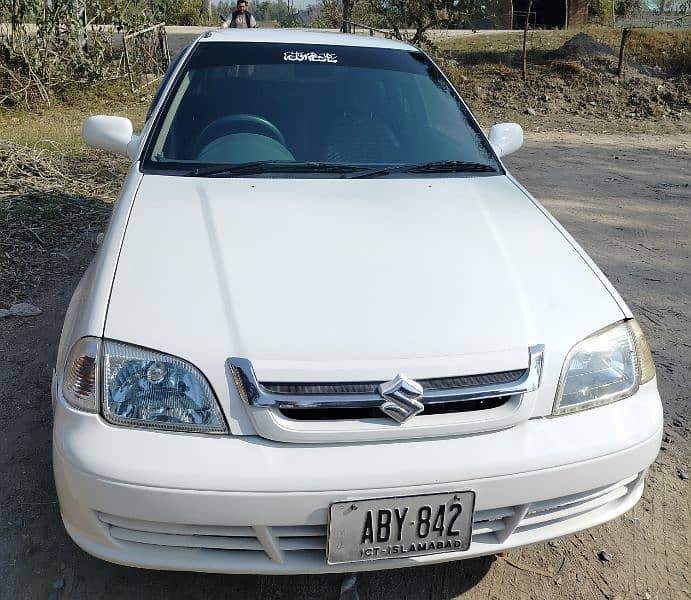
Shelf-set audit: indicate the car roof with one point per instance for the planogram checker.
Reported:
(301, 36)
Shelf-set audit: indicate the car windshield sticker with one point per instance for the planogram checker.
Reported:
(324, 57)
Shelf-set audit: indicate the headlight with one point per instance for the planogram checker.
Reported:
(148, 389)
(605, 367)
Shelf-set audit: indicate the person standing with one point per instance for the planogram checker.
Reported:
(241, 18)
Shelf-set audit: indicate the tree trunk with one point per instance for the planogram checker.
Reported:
(525, 40)
(419, 31)
(614, 14)
(14, 23)
(205, 9)
(347, 11)
(566, 14)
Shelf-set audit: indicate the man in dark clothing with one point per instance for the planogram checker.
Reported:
(241, 18)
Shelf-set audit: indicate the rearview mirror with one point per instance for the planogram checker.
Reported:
(114, 134)
(506, 138)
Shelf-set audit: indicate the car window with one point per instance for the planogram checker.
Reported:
(244, 102)
(164, 80)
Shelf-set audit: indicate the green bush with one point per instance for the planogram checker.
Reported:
(602, 10)
(186, 12)
(49, 48)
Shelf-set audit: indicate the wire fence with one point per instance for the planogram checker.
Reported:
(655, 20)
(352, 27)
(146, 56)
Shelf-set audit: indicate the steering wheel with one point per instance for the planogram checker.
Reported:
(226, 124)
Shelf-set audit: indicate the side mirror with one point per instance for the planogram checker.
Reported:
(506, 138)
(114, 134)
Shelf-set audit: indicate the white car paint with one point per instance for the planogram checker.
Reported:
(470, 245)
(434, 276)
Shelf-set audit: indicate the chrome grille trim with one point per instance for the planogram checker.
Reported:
(472, 387)
(371, 387)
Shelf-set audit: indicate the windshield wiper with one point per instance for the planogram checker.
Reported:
(271, 166)
(439, 166)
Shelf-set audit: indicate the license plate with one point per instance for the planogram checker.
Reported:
(398, 527)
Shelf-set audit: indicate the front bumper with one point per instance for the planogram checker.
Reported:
(249, 505)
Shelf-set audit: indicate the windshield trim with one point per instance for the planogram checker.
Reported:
(282, 175)
(172, 168)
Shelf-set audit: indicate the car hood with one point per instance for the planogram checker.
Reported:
(328, 280)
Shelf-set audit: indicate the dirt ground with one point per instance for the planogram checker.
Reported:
(574, 80)
(626, 199)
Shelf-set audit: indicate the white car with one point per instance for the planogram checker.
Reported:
(328, 331)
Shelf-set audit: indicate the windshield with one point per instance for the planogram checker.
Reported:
(312, 109)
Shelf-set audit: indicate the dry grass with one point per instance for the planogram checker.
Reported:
(50, 204)
(59, 126)
(55, 193)
(669, 49)
(29, 170)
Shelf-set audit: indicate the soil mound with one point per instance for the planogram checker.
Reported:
(582, 46)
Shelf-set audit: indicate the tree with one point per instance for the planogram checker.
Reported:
(330, 14)
(205, 9)
(629, 7)
(347, 14)
(420, 16)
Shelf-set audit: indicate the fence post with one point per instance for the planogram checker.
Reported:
(525, 40)
(128, 65)
(163, 41)
(622, 49)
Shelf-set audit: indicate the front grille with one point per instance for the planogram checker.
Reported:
(278, 543)
(567, 507)
(372, 387)
(497, 525)
(440, 408)
(447, 404)
(356, 410)
(272, 541)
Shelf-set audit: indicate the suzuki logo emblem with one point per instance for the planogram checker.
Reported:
(402, 398)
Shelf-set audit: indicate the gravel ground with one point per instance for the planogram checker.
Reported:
(627, 200)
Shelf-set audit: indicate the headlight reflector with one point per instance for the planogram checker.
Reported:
(605, 367)
(154, 390)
